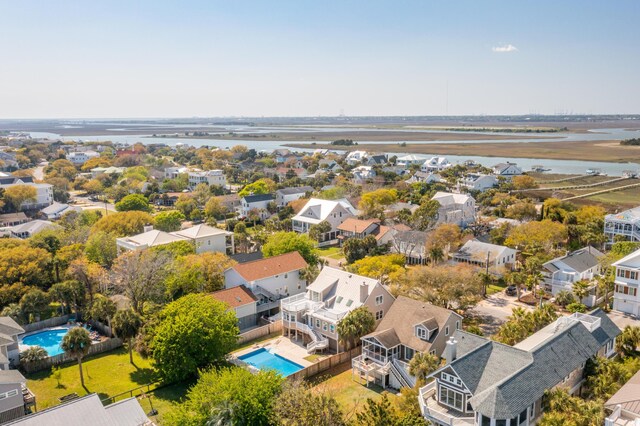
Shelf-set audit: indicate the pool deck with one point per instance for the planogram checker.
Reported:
(281, 346)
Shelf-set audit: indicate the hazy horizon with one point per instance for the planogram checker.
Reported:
(201, 59)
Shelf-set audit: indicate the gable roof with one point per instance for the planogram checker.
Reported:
(295, 190)
(341, 288)
(628, 396)
(276, 265)
(200, 231)
(11, 376)
(235, 296)
(9, 327)
(258, 198)
(356, 225)
(631, 260)
(449, 198)
(579, 260)
(34, 227)
(477, 250)
(153, 238)
(317, 210)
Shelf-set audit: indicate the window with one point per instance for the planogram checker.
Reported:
(451, 379)
(339, 299)
(317, 323)
(379, 315)
(486, 421)
(446, 331)
(379, 300)
(457, 325)
(332, 328)
(324, 326)
(349, 302)
(421, 333)
(286, 276)
(451, 398)
(523, 416)
(408, 353)
(501, 422)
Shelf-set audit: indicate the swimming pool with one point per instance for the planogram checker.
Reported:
(49, 340)
(265, 360)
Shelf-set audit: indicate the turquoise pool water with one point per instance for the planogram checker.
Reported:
(265, 360)
(49, 340)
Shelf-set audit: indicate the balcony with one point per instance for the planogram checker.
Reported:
(439, 414)
(299, 303)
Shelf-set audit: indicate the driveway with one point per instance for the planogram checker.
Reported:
(494, 311)
(623, 320)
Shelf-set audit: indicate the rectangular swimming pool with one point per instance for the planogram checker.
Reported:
(265, 360)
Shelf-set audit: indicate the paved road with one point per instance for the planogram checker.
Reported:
(86, 204)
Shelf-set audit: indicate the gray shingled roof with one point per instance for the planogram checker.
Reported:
(295, 190)
(579, 260)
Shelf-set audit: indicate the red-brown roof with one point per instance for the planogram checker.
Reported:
(235, 296)
(263, 268)
(356, 225)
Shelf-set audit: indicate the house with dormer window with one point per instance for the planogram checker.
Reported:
(409, 327)
(486, 383)
(316, 210)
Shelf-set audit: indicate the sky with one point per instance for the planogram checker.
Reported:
(142, 59)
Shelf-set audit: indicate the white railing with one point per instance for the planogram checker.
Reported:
(439, 415)
(611, 420)
(318, 341)
(403, 370)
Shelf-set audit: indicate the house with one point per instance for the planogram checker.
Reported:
(395, 208)
(16, 400)
(230, 201)
(435, 164)
(168, 199)
(210, 177)
(269, 279)
(459, 209)
(411, 244)
(316, 210)
(359, 228)
(409, 327)
(81, 157)
(408, 160)
(286, 173)
(363, 173)
(580, 265)
(205, 238)
(13, 219)
(624, 405)
(497, 259)
(174, 172)
(29, 229)
(507, 170)
(314, 315)
(625, 224)
(258, 202)
(88, 410)
(286, 195)
(478, 182)
(112, 171)
(44, 191)
(488, 383)
(56, 210)
(9, 348)
(627, 281)
(377, 160)
(424, 177)
(355, 157)
(243, 302)
(8, 161)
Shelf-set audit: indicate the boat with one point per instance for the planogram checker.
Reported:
(595, 172)
(539, 168)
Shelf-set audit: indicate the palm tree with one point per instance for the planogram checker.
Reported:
(223, 414)
(356, 324)
(627, 342)
(581, 289)
(77, 343)
(126, 325)
(34, 353)
(422, 364)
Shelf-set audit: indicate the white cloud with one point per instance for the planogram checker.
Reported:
(505, 48)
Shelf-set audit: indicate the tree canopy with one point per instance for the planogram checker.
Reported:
(133, 202)
(286, 242)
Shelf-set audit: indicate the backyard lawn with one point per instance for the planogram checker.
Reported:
(330, 252)
(106, 374)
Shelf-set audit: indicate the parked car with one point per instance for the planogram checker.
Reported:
(511, 290)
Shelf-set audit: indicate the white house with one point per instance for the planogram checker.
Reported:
(627, 280)
(174, 172)
(210, 177)
(478, 182)
(314, 315)
(269, 279)
(81, 157)
(408, 160)
(316, 210)
(286, 195)
(56, 210)
(29, 229)
(498, 259)
(507, 170)
(362, 173)
(112, 170)
(258, 202)
(459, 209)
(355, 157)
(44, 191)
(424, 177)
(435, 164)
(625, 224)
(205, 238)
(562, 272)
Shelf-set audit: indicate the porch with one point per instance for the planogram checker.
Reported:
(439, 414)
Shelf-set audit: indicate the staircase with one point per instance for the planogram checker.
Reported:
(318, 341)
(399, 371)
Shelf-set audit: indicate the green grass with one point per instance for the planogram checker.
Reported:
(328, 251)
(313, 357)
(351, 395)
(107, 374)
(495, 288)
(259, 340)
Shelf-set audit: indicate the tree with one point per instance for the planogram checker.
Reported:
(521, 211)
(537, 237)
(126, 325)
(524, 182)
(186, 204)
(317, 231)
(299, 405)
(426, 215)
(581, 289)
(232, 393)
(383, 268)
(422, 364)
(103, 309)
(567, 410)
(77, 343)
(354, 325)
(93, 186)
(26, 265)
(198, 273)
(133, 202)
(382, 413)
(358, 248)
(627, 342)
(523, 323)
(101, 248)
(286, 242)
(214, 210)
(373, 203)
(15, 196)
(61, 169)
(140, 275)
(64, 294)
(33, 354)
(446, 236)
(124, 223)
(261, 186)
(564, 298)
(169, 221)
(34, 303)
(193, 332)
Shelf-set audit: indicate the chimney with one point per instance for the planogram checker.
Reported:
(147, 228)
(364, 292)
(450, 352)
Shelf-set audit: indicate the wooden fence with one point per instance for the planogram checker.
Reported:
(259, 332)
(325, 364)
(96, 348)
(51, 322)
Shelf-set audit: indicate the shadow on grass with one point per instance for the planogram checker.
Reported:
(143, 376)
